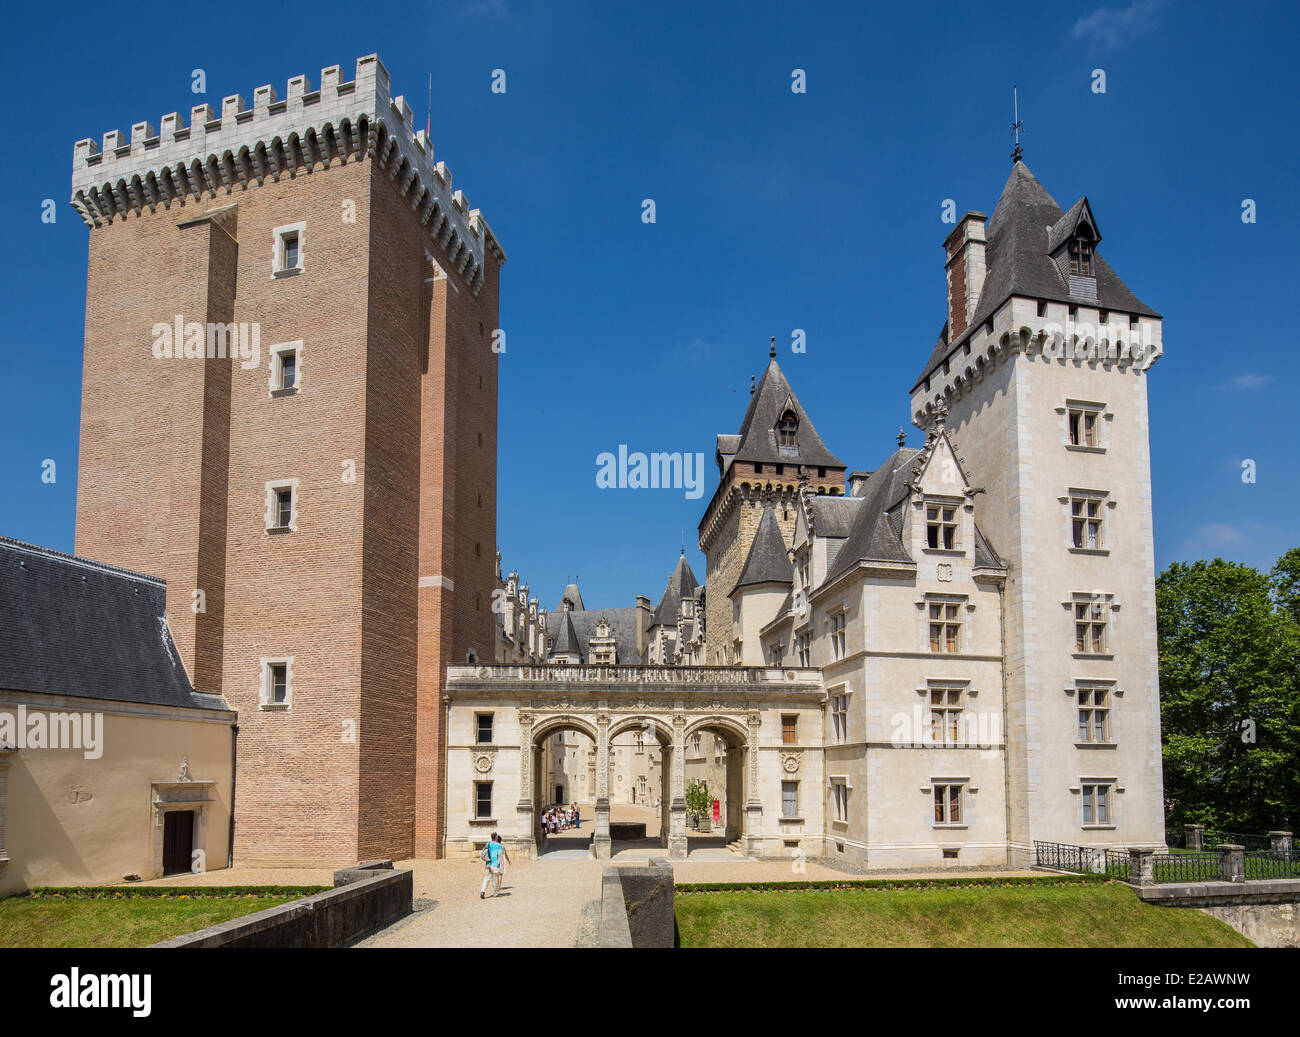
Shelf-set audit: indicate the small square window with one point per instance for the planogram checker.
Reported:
(287, 254)
(282, 506)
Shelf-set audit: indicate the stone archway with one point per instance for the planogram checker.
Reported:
(741, 784)
(660, 728)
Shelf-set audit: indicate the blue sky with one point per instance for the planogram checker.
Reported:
(774, 211)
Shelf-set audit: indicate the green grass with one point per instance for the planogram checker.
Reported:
(52, 920)
(1058, 915)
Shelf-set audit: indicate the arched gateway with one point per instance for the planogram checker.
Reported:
(771, 719)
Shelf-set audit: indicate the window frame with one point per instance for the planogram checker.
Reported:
(789, 728)
(479, 814)
(949, 618)
(274, 488)
(1080, 523)
(1100, 700)
(266, 692)
(944, 528)
(478, 728)
(944, 794)
(279, 237)
(275, 378)
(791, 787)
(1097, 796)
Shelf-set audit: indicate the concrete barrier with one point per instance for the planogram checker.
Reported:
(366, 898)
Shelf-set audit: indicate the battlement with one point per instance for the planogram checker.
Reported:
(310, 128)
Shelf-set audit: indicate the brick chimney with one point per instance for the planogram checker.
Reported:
(964, 263)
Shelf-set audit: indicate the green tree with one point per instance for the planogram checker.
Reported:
(698, 799)
(1229, 694)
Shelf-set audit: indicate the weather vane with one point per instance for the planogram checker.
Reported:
(1017, 152)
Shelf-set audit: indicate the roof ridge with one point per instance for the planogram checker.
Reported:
(87, 563)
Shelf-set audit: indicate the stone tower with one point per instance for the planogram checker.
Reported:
(1042, 373)
(758, 467)
(289, 413)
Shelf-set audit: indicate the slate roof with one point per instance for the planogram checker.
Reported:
(872, 536)
(758, 430)
(681, 584)
(833, 516)
(1018, 262)
(769, 559)
(622, 625)
(574, 595)
(71, 626)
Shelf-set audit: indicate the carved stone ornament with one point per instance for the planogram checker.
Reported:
(790, 764)
(185, 769)
(483, 762)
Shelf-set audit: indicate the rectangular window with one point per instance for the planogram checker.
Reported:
(1094, 713)
(776, 653)
(945, 626)
(283, 508)
(483, 723)
(945, 714)
(947, 804)
(788, 730)
(941, 526)
(279, 683)
(1086, 518)
(1090, 627)
(803, 569)
(837, 635)
(287, 362)
(840, 800)
(804, 642)
(483, 799)
(1096, 804)
(789, 799)
(1083, 426)
(840, 717)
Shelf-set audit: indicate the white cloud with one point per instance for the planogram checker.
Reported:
(1109, 27)
(1217, 534)
(1250, 381)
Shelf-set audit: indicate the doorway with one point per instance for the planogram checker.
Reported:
(178, 841)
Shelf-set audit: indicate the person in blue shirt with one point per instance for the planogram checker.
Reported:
(493, 853)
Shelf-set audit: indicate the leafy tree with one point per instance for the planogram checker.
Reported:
(698, 799)
(1230, 694)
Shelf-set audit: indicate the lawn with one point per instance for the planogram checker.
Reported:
(129, 922)
(1066, 915)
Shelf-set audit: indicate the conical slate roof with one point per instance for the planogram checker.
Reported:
(768, 561)
(758, 431)
(574, 597)
(1018, 260)
(872, 536)
(681, 584)
(566, 638)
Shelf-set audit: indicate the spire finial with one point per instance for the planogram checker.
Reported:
(902, 437)
(772, 354)
(751, 385)
(1017, 152)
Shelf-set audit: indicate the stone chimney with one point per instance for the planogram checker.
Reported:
(964, 263)
(643, 615)
(858, 483)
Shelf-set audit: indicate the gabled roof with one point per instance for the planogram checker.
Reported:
(758, 430)
(681, 584)
(1064, 229)
(70, 626)
(769, 560)
(1018, 262)
(872, 537)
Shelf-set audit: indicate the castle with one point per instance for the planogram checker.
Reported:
(289, 422)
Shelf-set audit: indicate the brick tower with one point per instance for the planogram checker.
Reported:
(758, 467)
(289, 413)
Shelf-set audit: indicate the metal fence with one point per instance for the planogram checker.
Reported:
(1250, 842)
(1185, 867)
(1266, 864)
(1086, 860)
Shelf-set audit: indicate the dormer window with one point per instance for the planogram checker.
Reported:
(785, 433)
(1081, 253)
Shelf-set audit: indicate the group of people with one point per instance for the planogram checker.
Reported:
(557, 819)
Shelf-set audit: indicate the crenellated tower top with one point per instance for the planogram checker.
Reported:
(340, 122)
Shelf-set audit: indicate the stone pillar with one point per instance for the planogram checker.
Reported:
(1195, 836)
(1281, 841)
(601, 844)
(753, 804)
(6, 755)
(677, 844)
(1232, 865)
(1141, 866)
(526, 836)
